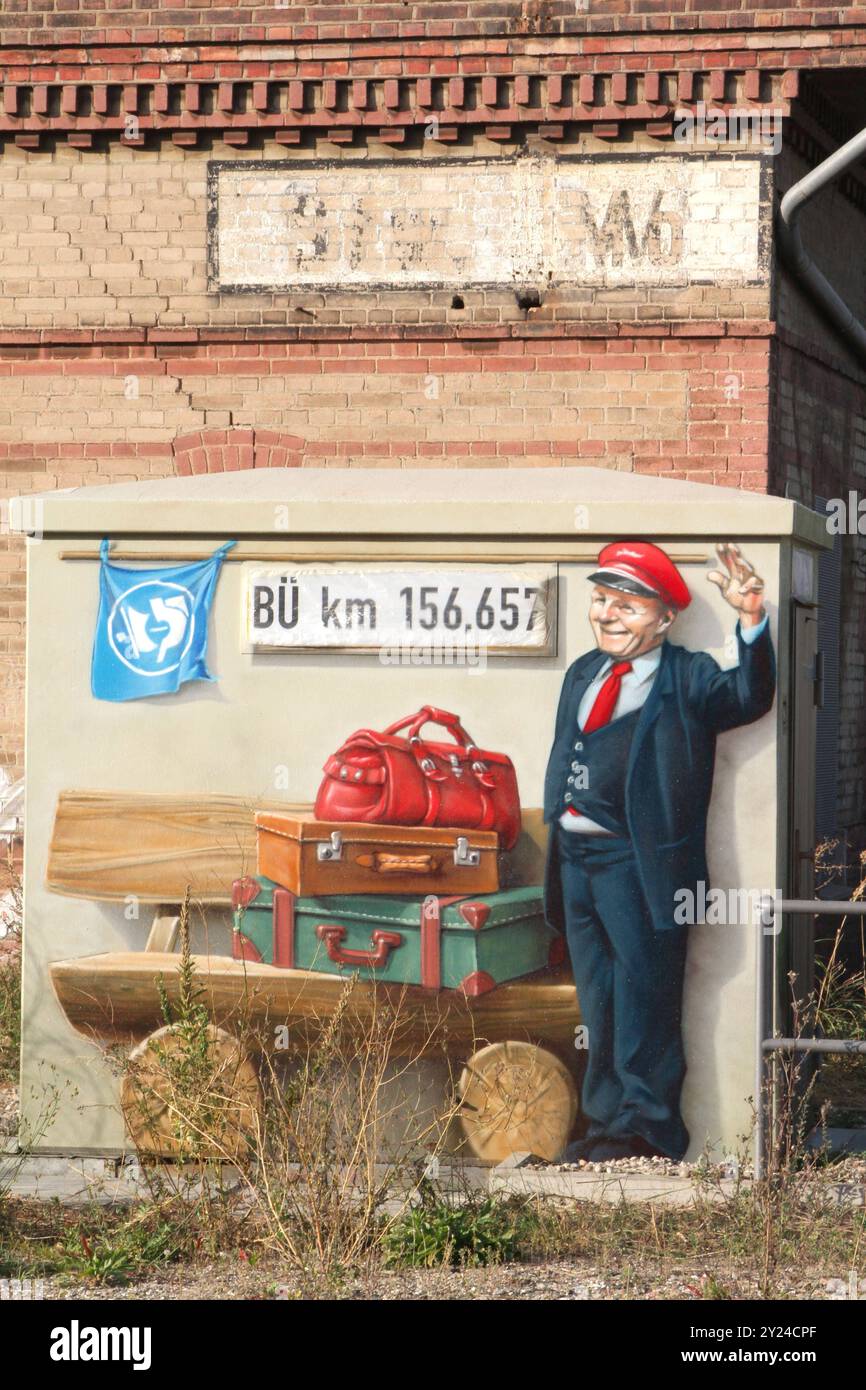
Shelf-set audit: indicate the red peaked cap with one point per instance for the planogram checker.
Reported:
(637, 567)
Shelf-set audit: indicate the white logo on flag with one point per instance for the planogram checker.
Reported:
(151, 627)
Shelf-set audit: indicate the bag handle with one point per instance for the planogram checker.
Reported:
(381, 863)
(382, 943)
(430, 714)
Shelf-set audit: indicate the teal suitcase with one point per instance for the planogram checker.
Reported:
(468, 943)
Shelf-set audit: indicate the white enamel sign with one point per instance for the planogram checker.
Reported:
(499, 609)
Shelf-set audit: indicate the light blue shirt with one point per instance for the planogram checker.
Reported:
(633, 691)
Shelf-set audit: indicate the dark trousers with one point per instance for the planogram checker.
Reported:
(629, 981)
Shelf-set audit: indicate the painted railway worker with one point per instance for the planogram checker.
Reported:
(626, 796)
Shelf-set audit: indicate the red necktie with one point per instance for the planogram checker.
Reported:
(605, 701)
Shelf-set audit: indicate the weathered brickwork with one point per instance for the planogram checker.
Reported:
(94, 20)
(537, 218)
(119, 240)
(348, 95)
(682, 403)
(689, 407)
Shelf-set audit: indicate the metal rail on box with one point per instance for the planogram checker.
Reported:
(766, 1046)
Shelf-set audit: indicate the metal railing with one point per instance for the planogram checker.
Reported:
(766, 1046)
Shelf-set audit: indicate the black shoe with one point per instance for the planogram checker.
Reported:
(606, 1150)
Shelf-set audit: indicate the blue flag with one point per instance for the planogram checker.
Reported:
(151, 632)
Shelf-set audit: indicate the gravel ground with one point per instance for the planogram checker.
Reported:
(567, 1281)
(659, 1167)
(230, 1278)
(846, 1170)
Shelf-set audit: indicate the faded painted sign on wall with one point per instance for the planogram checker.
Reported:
(528, 220)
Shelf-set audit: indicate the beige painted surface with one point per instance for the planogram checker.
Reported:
(571, 505)
(274, 717)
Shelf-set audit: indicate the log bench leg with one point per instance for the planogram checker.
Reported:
(163, 931)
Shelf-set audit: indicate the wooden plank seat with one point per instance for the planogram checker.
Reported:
(116, 996)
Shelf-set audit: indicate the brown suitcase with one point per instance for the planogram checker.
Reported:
(313, 858)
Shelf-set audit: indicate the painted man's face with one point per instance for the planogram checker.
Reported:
(625, 625)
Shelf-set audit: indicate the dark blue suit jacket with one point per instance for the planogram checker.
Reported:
(670, 771)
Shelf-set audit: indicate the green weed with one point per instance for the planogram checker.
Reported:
(438, 1232)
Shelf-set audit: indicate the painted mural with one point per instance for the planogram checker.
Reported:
(410, 872)
(627, 793)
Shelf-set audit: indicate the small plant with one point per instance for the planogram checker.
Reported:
(188, 1092)
(115, 1254)
(440, 1232)
(10, 974)
(713, 1289)
(10, 1016)
(103, 1264)
(305, 1147)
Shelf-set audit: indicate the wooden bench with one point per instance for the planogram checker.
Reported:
(117, 847)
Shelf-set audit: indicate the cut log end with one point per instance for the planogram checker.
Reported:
(185, 1101)
(516, 1098)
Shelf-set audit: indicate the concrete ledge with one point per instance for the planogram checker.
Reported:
(77, 1180)
(582, 1186)
(839, 1141)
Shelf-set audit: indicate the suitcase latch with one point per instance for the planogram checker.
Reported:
(327, 853)
(464, 857)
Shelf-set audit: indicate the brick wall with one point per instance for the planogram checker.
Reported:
(196, 20)
(670, 402)
(118, 239)
(818, 435)
(677, 402)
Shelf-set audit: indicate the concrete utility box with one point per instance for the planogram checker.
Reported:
(282, 702)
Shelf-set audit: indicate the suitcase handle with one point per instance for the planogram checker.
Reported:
(430, 714)
(382, 943)
(399, 863)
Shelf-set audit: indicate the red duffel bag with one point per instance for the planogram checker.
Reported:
(407, 781)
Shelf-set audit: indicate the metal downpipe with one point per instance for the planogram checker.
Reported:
(797, 257)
